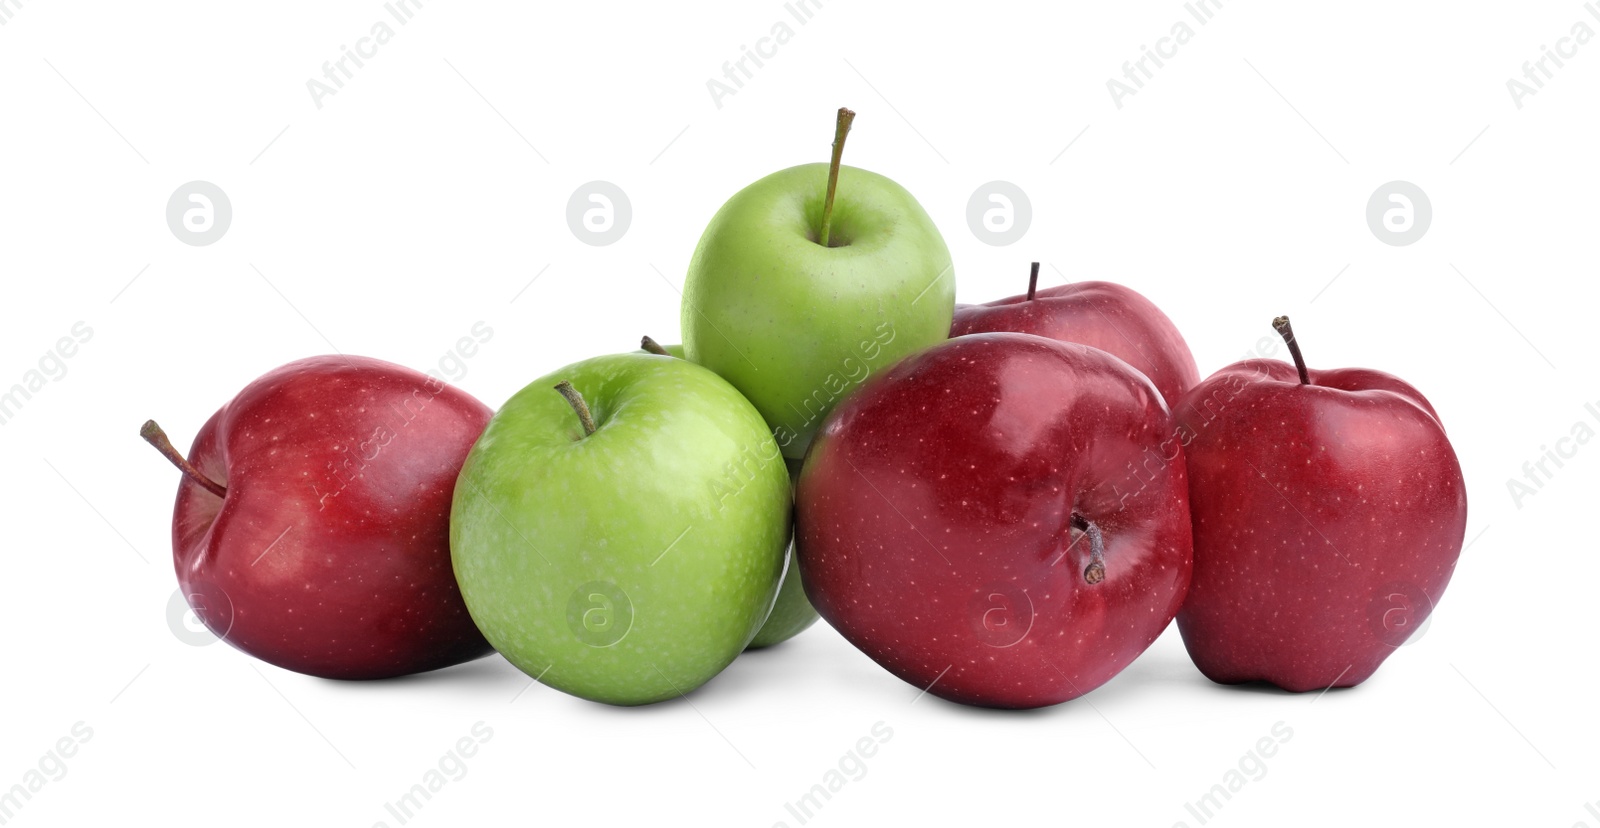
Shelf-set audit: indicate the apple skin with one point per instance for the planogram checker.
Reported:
(796, 326)
(791, 613)
(330, 553)
(934, 519)
(1104, 315)
(631, 565)
(1327, 522)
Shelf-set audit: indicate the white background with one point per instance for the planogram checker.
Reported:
(432, 189)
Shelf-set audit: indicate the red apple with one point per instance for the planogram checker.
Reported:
(1329, 510)
(1001, 519)
(312, 526)
(1104, 315)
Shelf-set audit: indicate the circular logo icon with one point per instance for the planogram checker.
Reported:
(1399, 613)
(195, 615)
(1399, 213)
(599, 613)
(1002, 615)
(999, 213)
(199, 213)
(599, 213)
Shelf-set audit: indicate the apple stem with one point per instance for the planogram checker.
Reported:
(1095, 572)
(1033, 280)
(653, 347)
(575, 400)
(153, 435)
(1281, 325)
(840, 130)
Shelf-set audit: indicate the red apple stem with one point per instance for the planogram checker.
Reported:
(1095, 572)
(1281, 325)
(1033, 280)
(653, 347)
(575, 400)
(153, 435)
(840, 130)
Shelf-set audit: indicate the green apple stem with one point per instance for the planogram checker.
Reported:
(840, 130)
(153, 435)
(1281, 325)
(1033, 280)
(1095, 572)
(653, 347)
(575, 400)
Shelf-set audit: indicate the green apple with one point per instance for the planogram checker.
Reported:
(791, 612)
(619, 530)
(810, 280)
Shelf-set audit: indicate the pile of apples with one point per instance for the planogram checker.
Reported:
(1001, 504)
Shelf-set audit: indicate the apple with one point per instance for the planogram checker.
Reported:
(1001, 520)
(791, 612)
(620, 528)
(810, 280)
(1329, 510)
(311, 528)
(1105, 315)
